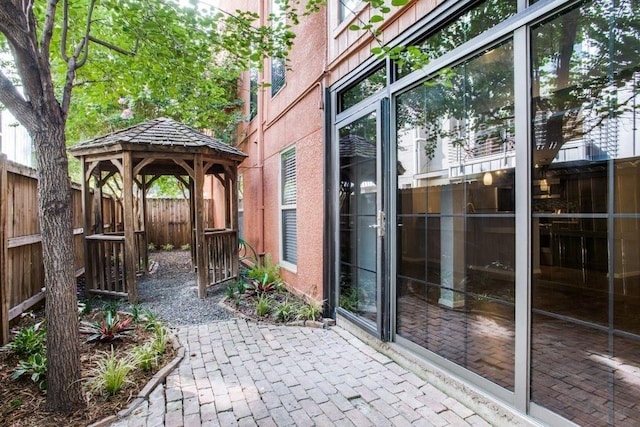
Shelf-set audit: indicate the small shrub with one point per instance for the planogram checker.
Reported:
(263, 305)
(108, 329)
(29, 340)
(145, 356)
(167, 247)
(266, 268)
(36, 367)
(285, 311)
(310, 311)
(151, 247)
(185, 247)
(111, 373)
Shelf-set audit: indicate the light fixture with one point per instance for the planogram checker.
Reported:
(544, 185)
(487, 178)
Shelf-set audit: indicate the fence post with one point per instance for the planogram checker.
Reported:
(4, 303)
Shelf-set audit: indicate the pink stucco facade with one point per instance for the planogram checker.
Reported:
(324, 51)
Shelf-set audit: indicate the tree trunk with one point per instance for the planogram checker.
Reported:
(64, 392)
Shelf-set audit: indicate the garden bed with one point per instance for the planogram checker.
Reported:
(22, 402)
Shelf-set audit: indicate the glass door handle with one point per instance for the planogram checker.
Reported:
(379, 225)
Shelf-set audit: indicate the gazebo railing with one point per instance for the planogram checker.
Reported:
(221, 251)
(106, 252)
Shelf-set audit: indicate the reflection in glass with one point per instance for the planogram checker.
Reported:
(358, 198)
(586, 235)
(461, 29)
(455, 205)
(362, 89)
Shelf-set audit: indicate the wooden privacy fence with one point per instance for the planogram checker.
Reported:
(168, 221)
(21, 266)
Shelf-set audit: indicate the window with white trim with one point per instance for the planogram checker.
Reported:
(288, 207)
(240, 205)
(346, 7)
(278, 61)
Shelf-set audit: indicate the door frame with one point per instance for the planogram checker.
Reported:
(380, 106)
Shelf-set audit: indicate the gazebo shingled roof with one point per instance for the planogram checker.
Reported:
(157, 147)
(160, 132)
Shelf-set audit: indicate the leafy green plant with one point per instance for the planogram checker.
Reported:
(240, 286)
(261, 286)
(310, 311)
(161, 339)
(265, 268)
(29, 340)
(145, 356)
(136, 313)
(151, 247)
(230, 292)
(285, 311)
(36, 367)
(167, 247)
(263, 305)
(185, 247)
(150, 319)
(111, 373)
(112, 306)
(108, 329)
(349, 300)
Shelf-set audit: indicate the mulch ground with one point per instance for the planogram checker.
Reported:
(22, 403)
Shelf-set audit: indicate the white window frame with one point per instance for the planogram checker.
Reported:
(287, 207)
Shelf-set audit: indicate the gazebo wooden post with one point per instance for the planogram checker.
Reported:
(131, 256)
(145, 248)
(234, 218)
(192, 223)
(201, 255)
(227, 199)
(86, 213)
(97, 204)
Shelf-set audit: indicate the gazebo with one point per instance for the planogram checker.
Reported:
(115, 254)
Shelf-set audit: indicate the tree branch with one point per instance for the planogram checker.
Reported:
(47, 29)
(65, 28)
(114, 47)
(15, 102)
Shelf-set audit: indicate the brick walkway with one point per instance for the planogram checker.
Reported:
(235, 373)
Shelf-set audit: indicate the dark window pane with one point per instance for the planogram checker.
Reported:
(456, 254)
(585, 287)
(460, 30)
(363, 89)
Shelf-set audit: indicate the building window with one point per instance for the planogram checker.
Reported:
(345, 8)
(288, 195)
(278, 60)
(277, 75)
(240, 205)
(253, 93)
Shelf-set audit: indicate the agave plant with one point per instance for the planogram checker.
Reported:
(108, 329)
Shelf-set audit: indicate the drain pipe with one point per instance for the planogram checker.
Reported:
(260, 142)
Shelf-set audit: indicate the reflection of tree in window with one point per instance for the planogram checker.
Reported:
(584, 77)
(469, 106)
